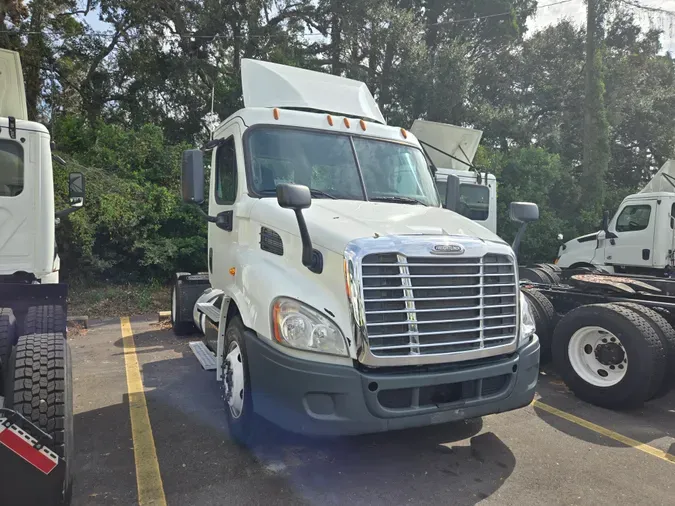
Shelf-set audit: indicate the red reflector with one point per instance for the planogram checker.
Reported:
(22, 444)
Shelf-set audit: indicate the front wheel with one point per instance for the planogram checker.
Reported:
(241, 419)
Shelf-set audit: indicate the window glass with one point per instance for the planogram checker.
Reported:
(326, 162)
(11, 168)
(226, 173)
(474, 201)
(393, 170)
(323, 162)
(633, 218)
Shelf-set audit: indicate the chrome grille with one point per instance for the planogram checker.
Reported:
(437, 305)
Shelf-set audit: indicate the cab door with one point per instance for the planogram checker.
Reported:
(17, 205)
(227, 161)
(634, 227)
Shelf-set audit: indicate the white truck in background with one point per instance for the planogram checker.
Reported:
(639, 239)
(451, 149)
(341, 298)
(36, 410)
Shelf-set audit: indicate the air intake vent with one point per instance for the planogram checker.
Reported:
(271, 242)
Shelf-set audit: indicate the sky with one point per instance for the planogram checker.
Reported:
(575, 10)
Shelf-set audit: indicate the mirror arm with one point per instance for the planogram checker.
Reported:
(519, 237)
(65, 212)
(306, 239)
(210, 219)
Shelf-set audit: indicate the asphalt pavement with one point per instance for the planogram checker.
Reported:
(559, 451)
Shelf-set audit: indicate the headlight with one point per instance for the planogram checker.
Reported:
(527, 325)
(299, 326)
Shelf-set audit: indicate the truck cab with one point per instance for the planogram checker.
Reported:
(638, 239)
(342, 297)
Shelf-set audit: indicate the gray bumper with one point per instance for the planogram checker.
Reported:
(320, 399)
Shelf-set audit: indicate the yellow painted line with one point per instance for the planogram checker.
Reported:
(148, 477)
(654, 452)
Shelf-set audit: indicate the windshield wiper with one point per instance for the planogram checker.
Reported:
(400, 199)
(321, 193)
(312, 191)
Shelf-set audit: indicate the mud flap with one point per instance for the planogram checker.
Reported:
(30, 472)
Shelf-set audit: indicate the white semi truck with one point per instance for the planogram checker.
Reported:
(36, 411)
(639, 239)
(341, 298)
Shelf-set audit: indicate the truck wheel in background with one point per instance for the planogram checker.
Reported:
(241, 420)
(667, 334)
(44, 320)
(535, 275)
(608, 355)
(552, 273)
(545, 319)
(43, 393)
(8, 334)
(181, 325)
(553, 267)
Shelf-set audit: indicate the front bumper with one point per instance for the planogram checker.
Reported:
(322, 399)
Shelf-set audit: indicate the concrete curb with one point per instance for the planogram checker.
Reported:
(80, 321)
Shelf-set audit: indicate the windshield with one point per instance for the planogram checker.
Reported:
(328, 164)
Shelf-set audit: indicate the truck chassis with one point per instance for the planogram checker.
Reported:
(611, 337)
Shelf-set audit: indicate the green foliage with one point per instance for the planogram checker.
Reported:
(122, 106)
(134, 225)
(534, 175)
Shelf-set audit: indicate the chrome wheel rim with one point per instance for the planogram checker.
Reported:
(234, 380)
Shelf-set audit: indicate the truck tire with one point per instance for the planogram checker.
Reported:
(535, 275)
(553, 267)
(552, 273)
(608, 355)
(44, 320)
(7, 339)
(241, 419)
(545, 318)
(180, 327)
(667, 334)
(43, 393)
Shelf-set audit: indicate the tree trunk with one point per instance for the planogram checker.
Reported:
(335, 37)
(596, 127)
(33, 57)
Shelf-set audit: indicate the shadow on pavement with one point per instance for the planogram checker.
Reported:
(450, 463)
(655, 420)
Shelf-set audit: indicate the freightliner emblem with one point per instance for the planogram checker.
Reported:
(448, 249)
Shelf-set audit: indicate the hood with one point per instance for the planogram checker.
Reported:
(333, 224)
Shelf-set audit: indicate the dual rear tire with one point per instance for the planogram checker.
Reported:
(614, 355)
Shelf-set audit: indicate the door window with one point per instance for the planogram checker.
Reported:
(634, 218)
(226, 173)
(11, 168)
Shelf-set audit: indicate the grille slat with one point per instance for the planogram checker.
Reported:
(430, 305)
(398, 287)
(422, 322)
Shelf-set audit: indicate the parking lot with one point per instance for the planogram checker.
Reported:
(177, 450)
